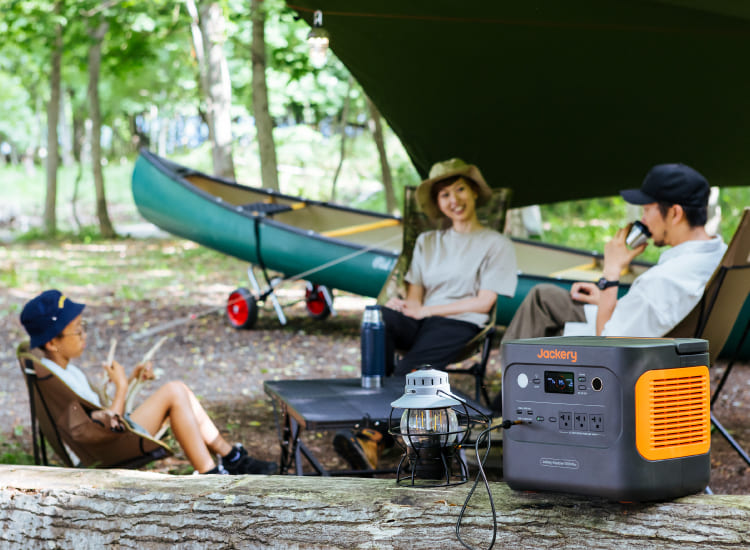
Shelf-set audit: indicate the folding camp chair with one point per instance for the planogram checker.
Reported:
(62, 418)
(492, 214)
(719, 308)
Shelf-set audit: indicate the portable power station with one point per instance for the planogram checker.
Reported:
(621, 418)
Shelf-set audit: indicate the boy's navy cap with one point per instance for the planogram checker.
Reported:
(45, 316)
(670, 183)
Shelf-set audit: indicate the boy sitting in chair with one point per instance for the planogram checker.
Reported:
(54, 324)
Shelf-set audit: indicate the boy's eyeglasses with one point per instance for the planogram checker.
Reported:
(80, 332)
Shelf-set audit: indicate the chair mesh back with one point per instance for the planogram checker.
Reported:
(725, 294)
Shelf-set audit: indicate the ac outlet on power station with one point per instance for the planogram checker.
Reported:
(581, 421)
(596, 423)
(565, 421)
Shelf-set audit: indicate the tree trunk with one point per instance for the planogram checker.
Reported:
(95, 60)
(208, 30)
(219, 89)
(344, 122)
(78, 127)
(385, 168)
(66, 137)
(53, 113)
(67, 508)
(263, 122)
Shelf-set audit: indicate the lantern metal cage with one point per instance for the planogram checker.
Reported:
(433, 429)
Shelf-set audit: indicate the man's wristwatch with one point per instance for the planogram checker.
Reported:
(604, 283)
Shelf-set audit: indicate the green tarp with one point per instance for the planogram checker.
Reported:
(557, 99)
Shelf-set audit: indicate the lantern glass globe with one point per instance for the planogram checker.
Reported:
(423, 428)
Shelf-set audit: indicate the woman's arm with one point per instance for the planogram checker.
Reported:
(481, 303)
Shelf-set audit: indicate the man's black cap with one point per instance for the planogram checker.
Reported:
(670, 183)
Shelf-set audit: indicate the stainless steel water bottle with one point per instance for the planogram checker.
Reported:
(373, 347)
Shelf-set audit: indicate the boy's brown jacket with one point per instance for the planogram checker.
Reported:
(64, 419)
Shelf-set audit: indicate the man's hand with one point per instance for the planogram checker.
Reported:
(588, 293)
(617, 255)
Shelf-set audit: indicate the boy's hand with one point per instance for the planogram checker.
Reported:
(116, 374)
(108, 419)
(144, 371)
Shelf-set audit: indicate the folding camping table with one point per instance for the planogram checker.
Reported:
(330, 404)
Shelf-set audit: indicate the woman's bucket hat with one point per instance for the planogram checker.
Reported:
(447, 169)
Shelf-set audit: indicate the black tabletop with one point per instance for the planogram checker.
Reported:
(339, 402)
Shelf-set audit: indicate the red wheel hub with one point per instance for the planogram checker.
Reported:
(237, 309)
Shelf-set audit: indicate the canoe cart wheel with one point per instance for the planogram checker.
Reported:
(315, 301)
(242, 310)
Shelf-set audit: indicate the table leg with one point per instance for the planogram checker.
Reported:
(300, 450)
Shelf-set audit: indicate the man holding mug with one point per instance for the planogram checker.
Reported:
(674, 198)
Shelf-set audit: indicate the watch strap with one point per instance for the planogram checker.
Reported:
(604, 283)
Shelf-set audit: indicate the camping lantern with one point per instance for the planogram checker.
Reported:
(433, 426)
(318, 39)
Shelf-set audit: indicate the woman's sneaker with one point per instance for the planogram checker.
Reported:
(245, 464)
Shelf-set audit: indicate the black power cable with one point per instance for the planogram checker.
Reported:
(484, 435)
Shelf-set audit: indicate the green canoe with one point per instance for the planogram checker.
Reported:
(285, 234)
(326, 244)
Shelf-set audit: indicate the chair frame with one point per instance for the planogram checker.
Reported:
(492, 214)
(481, 344)
(43, 420)
(718, 321)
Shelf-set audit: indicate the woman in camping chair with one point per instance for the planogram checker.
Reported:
(453, 280)
(54, 324)
(455, 274)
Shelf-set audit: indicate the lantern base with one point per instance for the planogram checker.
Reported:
(432, 467)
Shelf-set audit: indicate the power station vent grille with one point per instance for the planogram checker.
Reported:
(673, 416)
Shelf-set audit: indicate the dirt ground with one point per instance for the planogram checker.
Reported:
(226, 367)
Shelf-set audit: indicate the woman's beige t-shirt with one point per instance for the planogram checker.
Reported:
(452, 266)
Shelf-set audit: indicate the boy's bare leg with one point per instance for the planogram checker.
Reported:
(210, 433)
(173, 401)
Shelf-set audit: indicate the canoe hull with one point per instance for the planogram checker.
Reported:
(283, 248)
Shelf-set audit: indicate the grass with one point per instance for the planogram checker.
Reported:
(134, 269)
(11, 452)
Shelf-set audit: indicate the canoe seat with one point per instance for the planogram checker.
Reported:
(492, 214)
(265, 208)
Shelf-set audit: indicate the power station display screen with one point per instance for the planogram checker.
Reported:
(558, 382)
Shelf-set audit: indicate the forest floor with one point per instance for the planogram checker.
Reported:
(226, 367)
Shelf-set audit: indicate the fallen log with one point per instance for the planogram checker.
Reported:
(68, 508)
